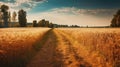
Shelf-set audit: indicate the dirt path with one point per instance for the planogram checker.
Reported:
(46, 56)
(71, 58)
(57, 52)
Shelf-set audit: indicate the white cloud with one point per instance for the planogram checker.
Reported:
(93, 12)
(22, 4)
(73, 16)
(65, 15)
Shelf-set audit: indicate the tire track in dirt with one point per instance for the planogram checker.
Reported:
(58, 51)
(47, 56)
(71, 58)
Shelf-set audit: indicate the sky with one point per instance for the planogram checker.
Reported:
(70, 12)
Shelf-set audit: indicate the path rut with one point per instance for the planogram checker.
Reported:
(57, 52)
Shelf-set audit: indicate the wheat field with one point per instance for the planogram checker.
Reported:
(17, 43)
(98, 46)
(62, 47)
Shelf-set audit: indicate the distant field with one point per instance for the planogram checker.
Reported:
(62, 47)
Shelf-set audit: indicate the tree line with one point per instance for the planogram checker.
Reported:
(6, 18)
(44, 23)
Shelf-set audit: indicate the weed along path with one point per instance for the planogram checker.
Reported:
(57, 52)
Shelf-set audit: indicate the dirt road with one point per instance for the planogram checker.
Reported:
(57, 52)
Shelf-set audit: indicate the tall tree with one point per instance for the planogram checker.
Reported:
(39, 24)
(51, 25)
(1, 19)
(116, 20)
(34, 23)
(4, 9)
(9, 15)
(14, 16)
(42, 23)
(9, 18)
(47, 24)
(22, 18)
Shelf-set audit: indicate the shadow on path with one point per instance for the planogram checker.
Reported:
(47, 56)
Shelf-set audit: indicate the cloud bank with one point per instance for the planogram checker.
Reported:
(92, 12)
(21, 4)
(72, 15)
(63, 15)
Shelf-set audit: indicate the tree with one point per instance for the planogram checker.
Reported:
(4, 9)
(9, 18)
(42, 23)
(22, 18)
(116, 20)
(34, 23)
(46, 23)
(14, 16)
(9, 15)
(1, 19)
(51, 25)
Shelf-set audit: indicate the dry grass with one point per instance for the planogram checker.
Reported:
(16, 45)
(99, 47)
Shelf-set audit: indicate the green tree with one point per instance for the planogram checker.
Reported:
(46, 23)
(22, 18)
(4, 9)
(42, 23)
(9, 14)
(9, 19)
(116, 20)
(1, 18)
(34, 23)
(51, 25)
(14, 16)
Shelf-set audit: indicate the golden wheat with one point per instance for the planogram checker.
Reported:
(99, 47)
(15, 43)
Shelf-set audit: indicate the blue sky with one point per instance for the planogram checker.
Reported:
(80, 4)
(97, 12)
